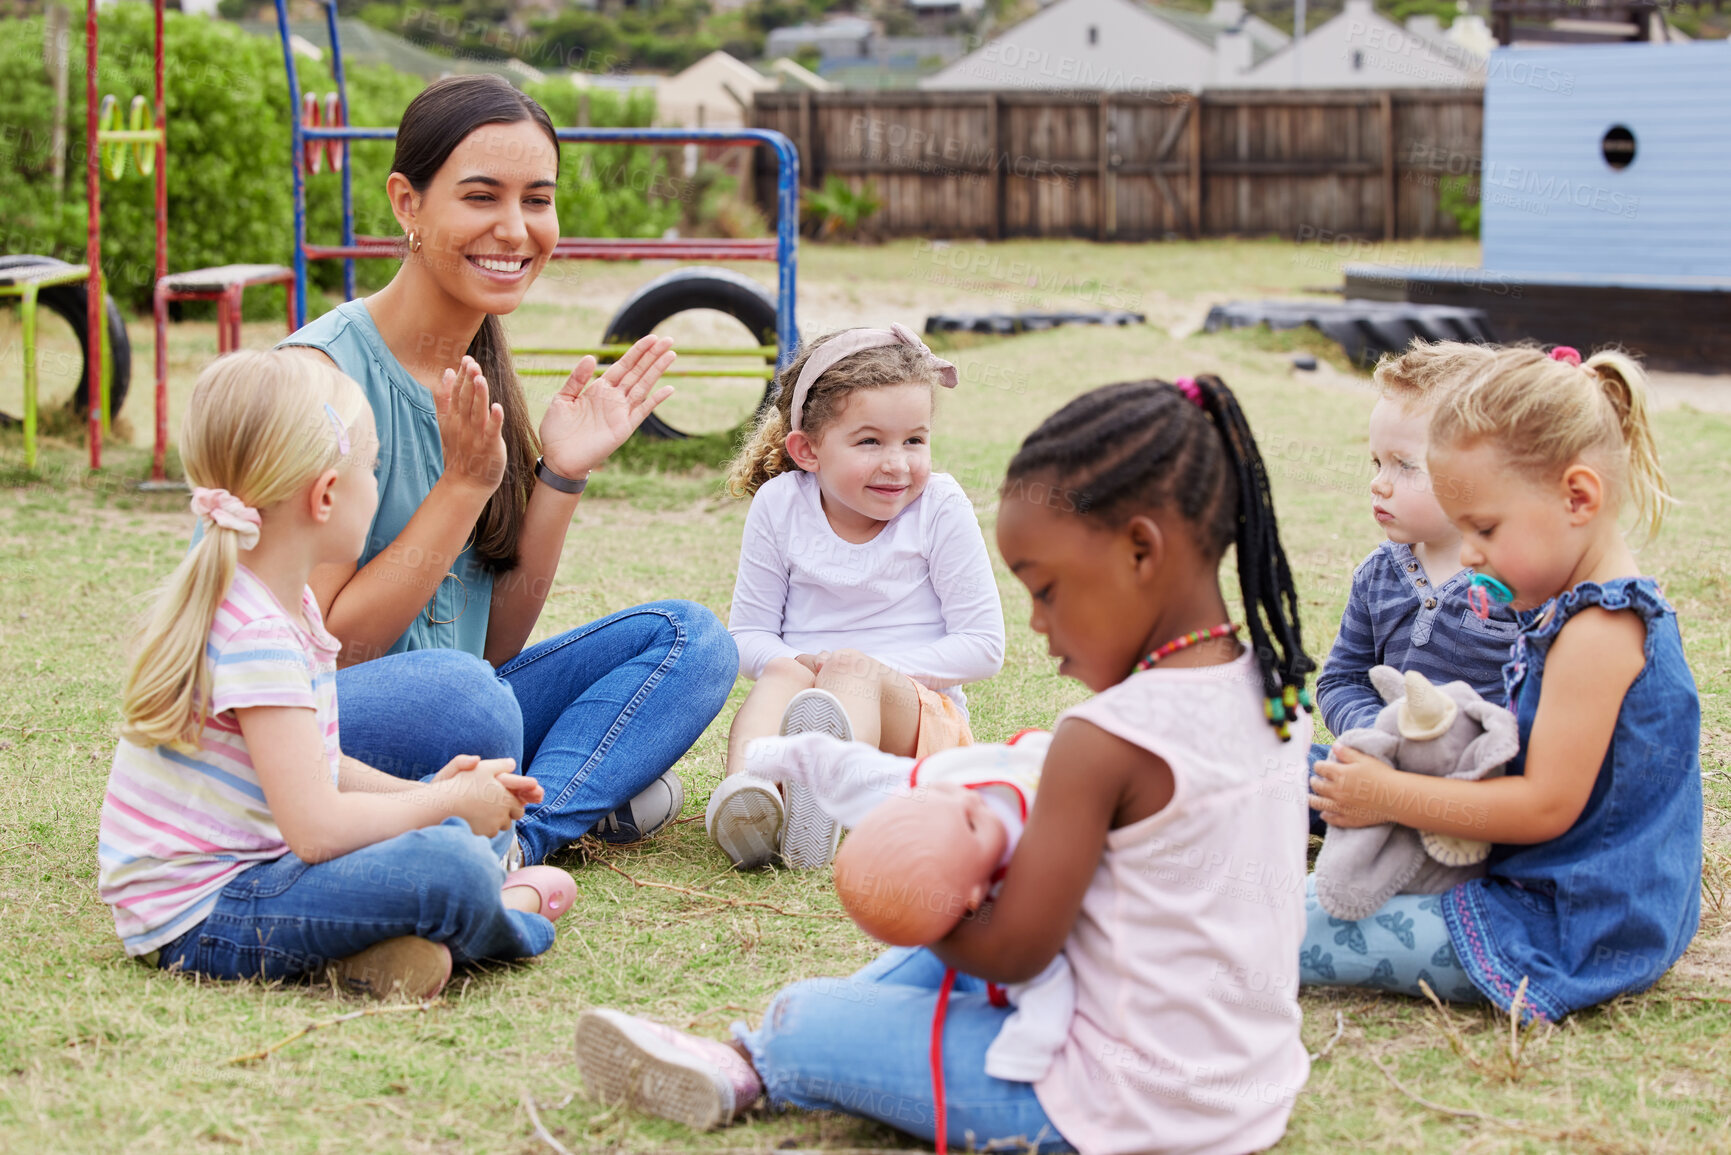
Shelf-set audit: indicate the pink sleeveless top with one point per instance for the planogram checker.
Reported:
(1185, 952)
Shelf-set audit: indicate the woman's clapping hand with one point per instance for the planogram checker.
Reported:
(470, 429)
(592, 416)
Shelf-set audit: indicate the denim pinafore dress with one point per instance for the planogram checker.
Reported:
(1608, 906)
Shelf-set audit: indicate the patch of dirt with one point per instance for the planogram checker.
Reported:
(1707, 962)
(1704, 392)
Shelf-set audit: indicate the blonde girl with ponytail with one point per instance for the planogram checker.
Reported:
(864, 597)
(1594, 880)
(236, 840)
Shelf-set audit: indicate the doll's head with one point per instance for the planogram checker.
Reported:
(920, 862)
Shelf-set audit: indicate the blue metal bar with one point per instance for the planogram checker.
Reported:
(787, 245)
(296, 144)
(348, 179)
(595, 135)
(346, 133)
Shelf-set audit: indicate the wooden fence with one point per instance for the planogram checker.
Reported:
(1117, 166)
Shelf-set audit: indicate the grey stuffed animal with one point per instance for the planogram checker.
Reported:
(1443, 731)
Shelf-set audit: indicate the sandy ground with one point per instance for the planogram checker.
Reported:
(1708, 393)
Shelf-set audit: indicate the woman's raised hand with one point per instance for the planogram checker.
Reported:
(470, 429)
(592, 416)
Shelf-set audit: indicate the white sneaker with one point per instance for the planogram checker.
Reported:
(810, 836)
(700, 1082)
(745, 817)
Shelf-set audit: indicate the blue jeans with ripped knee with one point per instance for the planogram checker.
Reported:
(863, 1045)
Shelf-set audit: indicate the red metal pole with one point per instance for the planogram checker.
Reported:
(159, 311)
(161, 450)
(95, 315)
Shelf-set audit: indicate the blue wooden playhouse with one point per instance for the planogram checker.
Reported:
(1605, 214)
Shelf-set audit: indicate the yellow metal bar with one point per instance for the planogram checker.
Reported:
(58, 276)
(129, 136)
(26, 291)
(27, 306)
(617, 350)
(762, 374)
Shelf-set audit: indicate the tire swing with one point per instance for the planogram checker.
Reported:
(685, 290)
(71, 303)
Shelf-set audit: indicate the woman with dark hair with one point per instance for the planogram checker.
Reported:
(474, 505)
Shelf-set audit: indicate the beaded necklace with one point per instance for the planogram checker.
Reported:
(1281, 710)
(1188, 640)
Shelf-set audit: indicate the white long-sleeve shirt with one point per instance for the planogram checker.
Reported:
(920, 596)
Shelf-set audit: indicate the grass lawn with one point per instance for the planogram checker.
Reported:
(99, 1053)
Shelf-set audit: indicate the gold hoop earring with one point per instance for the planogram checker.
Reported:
(414, 241)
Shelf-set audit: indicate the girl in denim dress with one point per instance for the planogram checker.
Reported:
(1593, 887)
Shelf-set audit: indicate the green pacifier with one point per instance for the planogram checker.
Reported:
(1483, 590)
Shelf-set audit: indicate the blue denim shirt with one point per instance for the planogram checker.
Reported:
(1608, 906)
(1395, 617)
(411, 460)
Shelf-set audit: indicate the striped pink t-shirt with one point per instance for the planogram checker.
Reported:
(177, 828)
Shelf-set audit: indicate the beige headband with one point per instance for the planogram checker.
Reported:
(846, 344)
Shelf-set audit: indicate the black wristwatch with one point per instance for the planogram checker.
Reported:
(562, 484)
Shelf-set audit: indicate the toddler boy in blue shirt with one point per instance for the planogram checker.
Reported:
(1408, 606)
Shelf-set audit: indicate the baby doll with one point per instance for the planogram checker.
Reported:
(1444, 731)
(928, 843)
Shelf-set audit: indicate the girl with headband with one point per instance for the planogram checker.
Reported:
(236, 840)
(865, 598)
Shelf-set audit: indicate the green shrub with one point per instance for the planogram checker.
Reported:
(840, 212)
(230, 192)
(610, 190)
(228, 196)
(1458, 196)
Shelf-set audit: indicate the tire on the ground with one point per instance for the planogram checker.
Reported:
(71, 302)
(681, 291)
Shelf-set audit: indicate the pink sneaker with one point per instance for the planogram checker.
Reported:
(700, 1082)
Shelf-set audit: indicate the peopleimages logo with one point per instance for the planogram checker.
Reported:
(1550, 188)
(1530, 75)
(1070, 70)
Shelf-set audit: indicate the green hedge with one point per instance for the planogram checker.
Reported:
(230, 196)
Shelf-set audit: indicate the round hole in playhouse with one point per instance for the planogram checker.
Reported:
(1618, 147)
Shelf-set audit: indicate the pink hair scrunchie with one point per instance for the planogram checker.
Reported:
(1188, 387)
(846, 344)
(1567, 354)
(220, 508)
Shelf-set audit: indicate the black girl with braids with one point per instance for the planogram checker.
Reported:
(1163, 858)
(1165, 850)
(1146, 445)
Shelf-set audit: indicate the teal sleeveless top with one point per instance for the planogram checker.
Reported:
(411, 459)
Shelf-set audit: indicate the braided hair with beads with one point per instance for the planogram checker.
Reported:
(1123, 449)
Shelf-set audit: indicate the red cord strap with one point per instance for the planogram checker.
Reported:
(939, 1115)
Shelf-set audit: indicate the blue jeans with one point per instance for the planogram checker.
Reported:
(863, 1045)
(287, 918)
(595, 714)
(1392, 950)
